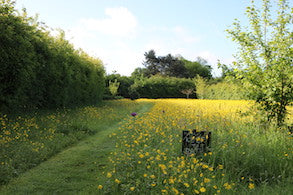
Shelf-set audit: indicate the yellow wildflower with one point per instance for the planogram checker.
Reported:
(202, 189)
(206, 180)
(117, 181)
(175, 190)
(250, 185)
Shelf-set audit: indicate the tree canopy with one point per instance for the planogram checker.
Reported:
(264, 59)
(172, 66)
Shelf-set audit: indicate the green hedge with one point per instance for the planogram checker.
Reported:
(125, 83)
(162, 87)
(41, 71)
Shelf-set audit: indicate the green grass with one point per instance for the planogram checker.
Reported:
(245, 158)
(118, 146)
(77, 168)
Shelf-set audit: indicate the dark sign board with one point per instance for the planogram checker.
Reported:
(195, 142)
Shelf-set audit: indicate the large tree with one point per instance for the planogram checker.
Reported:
(175, 66)
(264, 60)
(151, 63)
(198, 67)
(164, 65)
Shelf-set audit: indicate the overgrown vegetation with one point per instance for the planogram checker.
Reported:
(162, 87)
(244, 158)
(38, 70)
(29, 139)
(224, 89)
(124, 85)
(264, 60)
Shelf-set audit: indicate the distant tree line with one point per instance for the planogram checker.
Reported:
(38, 70)
(173, 66)
(156, 80)
(161, 77)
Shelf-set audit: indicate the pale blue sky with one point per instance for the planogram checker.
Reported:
(120, 31)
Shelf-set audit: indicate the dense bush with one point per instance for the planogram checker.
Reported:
(223, 90)
(125, 83)
(41, 71)
(162, 87)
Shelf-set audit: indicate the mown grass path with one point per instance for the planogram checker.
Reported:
(75, 170)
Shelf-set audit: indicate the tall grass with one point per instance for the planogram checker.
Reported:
(28, 139)
(244, 158)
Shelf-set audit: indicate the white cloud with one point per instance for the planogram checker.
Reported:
(119, 22)
(106, 38)
(112, 40)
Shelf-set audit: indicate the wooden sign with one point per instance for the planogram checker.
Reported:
(196, 142)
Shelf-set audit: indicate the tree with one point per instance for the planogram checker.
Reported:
(199, 67)
(163, 65)
(151, 63)
(139, 72)
(264, 60)
(201, 85)
(187, 92)
(172, 66)
(113, 87)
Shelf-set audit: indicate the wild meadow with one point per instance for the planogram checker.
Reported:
(66, 126)
(26, 140)
(245, 157)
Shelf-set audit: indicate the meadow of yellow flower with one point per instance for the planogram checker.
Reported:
(245, 155)
(148, 156)
(27, 140)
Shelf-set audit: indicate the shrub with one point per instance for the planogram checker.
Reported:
(162, 87)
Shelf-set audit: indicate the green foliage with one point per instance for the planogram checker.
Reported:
(113, 87)
(138, 73)
(173, 66)
(198, 67)
(162, 87)
(225, 91)
(222, 90)
(201, 85)
(125, 83)
(41, 71)
(264, 60)
(26, 140)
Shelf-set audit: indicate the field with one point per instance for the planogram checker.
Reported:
(246, 157)
(27, 140)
